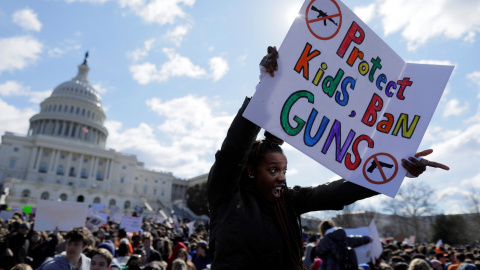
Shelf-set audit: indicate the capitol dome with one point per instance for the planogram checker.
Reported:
(73, 111)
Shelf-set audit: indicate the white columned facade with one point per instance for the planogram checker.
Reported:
(31, 163)
(39, 156)
(57, 158)
(95, 168)
(69, 161)
(112, 163)
(79, 167)
(52, 158)
(90, 170)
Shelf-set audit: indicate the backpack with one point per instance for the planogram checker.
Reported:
(348, 259)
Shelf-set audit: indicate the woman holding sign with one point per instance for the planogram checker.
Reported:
(255, 218)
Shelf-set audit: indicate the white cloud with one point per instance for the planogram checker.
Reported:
(475, 78)
(140, 53)
(38, 97)
(193, 132)
(56, 52)
(13, 119)
(472, 182)
(177, 66)
(64, 48)
(157, 11)
(461, 147)
(18, 52)
(100, 88)
(366, 13)
(27, 19)
(176, 35)
(453, 108)
(421, 21)
(14, 88)
(218, 67)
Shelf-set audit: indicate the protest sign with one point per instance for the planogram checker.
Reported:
(103, 216)
(27, 209)
(343, 97)
(117, 217)
(98, 207)
(370, 251)
(6, 215)
(131, 224)
(113, 210)
(94, 223)
(64, 215)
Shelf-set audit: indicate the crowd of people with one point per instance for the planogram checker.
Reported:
(159, 247)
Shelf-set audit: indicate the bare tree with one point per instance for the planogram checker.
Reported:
(413, 201)
(473, 211)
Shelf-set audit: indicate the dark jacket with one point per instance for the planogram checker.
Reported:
(244, 233)
(330, 248)
(155, 256)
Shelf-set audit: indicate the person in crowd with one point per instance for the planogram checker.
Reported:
(122, 254)
(334, 244)
(156, 265)
(101, 259)
(100, 236)
(179, 264)
(108, 245)
(77, 240)
(441, 258)
(316, 263)
(18, 244)
(134, 263)
(179, 245)
(142, 255)
(22, 266)
(254, 217)
(166, 248)
(136, 241)
(183, 255)
(307, 258)
(467, 266)
(459, 258)
(202, 258)
(151, 253)
(43, 249)
(419, 264)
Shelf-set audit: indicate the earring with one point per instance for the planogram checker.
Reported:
(251, 176)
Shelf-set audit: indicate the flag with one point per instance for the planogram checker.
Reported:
(85, 129)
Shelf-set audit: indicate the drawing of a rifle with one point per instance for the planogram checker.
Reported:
(373, 166)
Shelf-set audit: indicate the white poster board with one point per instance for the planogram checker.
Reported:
(98, 207)
(64, 215)
(370, 251)
(6, 215)
(131, 224)
(343, 97)
(94, 223)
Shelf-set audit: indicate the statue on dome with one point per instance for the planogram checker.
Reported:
(86, 58)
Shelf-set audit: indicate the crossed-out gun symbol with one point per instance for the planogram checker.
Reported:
(373, 166)
(323, 14)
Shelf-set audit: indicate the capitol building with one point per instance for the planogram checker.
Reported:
(63, 157)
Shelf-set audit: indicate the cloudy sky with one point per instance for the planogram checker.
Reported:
(172, 73)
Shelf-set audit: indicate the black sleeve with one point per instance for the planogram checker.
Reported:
(230, 160)
(357, 240)
(329, 196)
